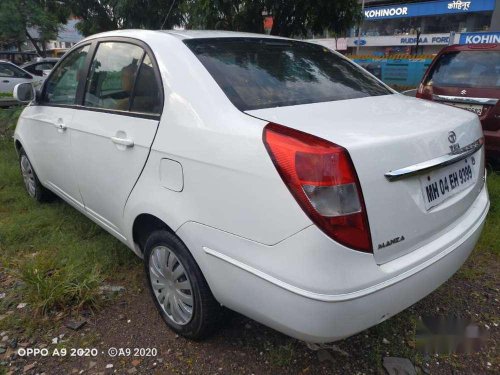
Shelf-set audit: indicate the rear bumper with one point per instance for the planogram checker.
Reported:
(492, 143)
(308, 289)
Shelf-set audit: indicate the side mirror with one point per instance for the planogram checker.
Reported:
(24, 92)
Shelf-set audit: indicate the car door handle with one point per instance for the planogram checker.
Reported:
(5, 81)
(123, 141)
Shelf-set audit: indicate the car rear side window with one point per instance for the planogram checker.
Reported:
(466, 69)
(147, 93)
(112, 75)
(263, 73)
(62, 84)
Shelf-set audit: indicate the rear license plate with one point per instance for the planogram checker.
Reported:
(441, 184)
(476, 108)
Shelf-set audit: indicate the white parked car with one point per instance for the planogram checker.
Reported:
(267, 175)
(41, 66)
(11, 75)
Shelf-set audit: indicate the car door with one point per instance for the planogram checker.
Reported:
(10, 76)
(47, 124)
(113, 131)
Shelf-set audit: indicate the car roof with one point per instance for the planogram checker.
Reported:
(472, 47)
(197, 34)
(178, 34)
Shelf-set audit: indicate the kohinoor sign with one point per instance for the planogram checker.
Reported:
(428, 9)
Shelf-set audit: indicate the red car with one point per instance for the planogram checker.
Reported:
(468, 77)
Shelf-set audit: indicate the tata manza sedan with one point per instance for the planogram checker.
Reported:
(270, 176)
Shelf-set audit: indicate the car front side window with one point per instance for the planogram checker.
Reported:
(61, 86)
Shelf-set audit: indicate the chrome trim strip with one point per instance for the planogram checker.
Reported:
(438, 162)
(358, 293)
(464, 100)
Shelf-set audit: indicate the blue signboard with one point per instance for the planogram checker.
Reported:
(360, 42)
(428, 9)
(479, 38)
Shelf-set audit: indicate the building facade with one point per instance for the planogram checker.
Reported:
(391, 27)
(66, 38)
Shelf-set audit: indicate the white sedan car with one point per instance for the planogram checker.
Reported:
(270, 176)
(11, 75)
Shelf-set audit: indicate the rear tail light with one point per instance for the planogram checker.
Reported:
(420, 89)
(321, 177)
(481, 46)
(424, 91)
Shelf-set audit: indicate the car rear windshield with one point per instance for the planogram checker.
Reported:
(259, 73)
(467, 69)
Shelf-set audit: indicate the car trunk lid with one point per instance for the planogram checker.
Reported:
(384, 134)
(482, 101)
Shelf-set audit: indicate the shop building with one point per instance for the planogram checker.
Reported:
(392, 27)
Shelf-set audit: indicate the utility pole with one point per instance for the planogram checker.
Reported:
(419, 32)
(360, 25)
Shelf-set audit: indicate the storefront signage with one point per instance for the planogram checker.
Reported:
(425, 40)
(479, 38)
(428, 9)
(409, 40)
(460, 5)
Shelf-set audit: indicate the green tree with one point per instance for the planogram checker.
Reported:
(95, 15)
(104, 15)
(291, 17)
(19, 17)
(235, 15)
(336, 16)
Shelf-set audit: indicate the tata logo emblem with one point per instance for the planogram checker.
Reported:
(452, 138)
(463, 92)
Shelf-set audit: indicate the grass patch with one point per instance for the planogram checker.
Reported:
(59, 255)
(490, 238)
(8, 120)
(402, 325)
(281, 355)
(51, 284)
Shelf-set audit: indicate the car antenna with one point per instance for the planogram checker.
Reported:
(166, 17)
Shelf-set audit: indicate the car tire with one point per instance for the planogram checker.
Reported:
(179, 289)
(33, 186)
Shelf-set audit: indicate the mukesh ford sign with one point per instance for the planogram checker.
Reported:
(429, 8)
(479, 38)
